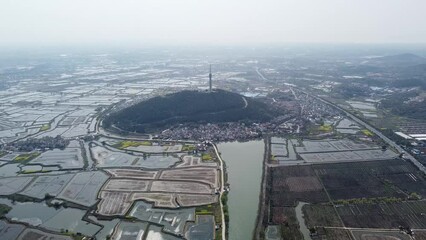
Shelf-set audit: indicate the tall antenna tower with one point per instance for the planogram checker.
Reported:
(210, 79)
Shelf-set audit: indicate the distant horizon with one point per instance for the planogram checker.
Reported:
(210, 22)
(283, 48)
(134, 45)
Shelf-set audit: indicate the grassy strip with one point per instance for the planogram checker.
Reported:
(206, 157)
(34, 171)
(188, 148)
(4, 209)
(369, 200)
(126, 144)
(367, 133)
(325, 128)
(25, 157)
(45, 127)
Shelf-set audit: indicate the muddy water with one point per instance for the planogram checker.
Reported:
(244, 168)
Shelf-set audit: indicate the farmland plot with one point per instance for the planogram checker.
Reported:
(295, 183)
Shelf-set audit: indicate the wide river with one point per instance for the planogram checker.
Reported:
(244, 167)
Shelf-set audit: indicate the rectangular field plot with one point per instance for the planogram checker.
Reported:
(379, 235)
(376, 154)
(206, 175)
(69, 158)
(278, 140)
(156, 161)
(157, 149)
(132, 173)
(361, 179)
(203, 228)
(173, 220)
(114, 203)
(384, 215)
(13, 185)
(156, 232)
(43, 185)
(279, 150)
(348, 156)
(9, 157)
(295, 183)
(159, 199)
(130, 230)
(310, 146)
(338, 234)
(75, 131)
(409, 182)
(10, 231)
(320, 215)
(71, 219)
(108, 158)
(55, 132)
(192, 161)
(126, 185)
(31, 234)
(181, 187)
(347, 124)
(83, 188)
(187, 200)
(287, 215)
(68, 121)
(302, 184)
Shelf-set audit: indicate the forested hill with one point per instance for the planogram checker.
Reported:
(187, 107)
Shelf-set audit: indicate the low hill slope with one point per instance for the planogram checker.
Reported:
(189, 107)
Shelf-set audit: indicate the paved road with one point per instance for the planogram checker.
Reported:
(261, 75)
(245, 102)
(377, 132)
(222, 190)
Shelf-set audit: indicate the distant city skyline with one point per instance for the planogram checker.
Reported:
(210, 22)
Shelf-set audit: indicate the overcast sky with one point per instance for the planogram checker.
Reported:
(213, 22)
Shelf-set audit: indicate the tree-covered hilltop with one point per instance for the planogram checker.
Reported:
(189, 107)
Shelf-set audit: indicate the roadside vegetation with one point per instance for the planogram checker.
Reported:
(367, 132)
(45, 127)
(206, 157)
(4, 209)
(369, 200)
(3, 153)
(188, 148)
(325, 128)
(26, 157)
(34, 171)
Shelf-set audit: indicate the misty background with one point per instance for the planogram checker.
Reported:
(209, 22)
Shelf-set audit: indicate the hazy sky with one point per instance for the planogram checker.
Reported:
(217, 22)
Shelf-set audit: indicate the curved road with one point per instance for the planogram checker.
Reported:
(375, 131)
(245, 102)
